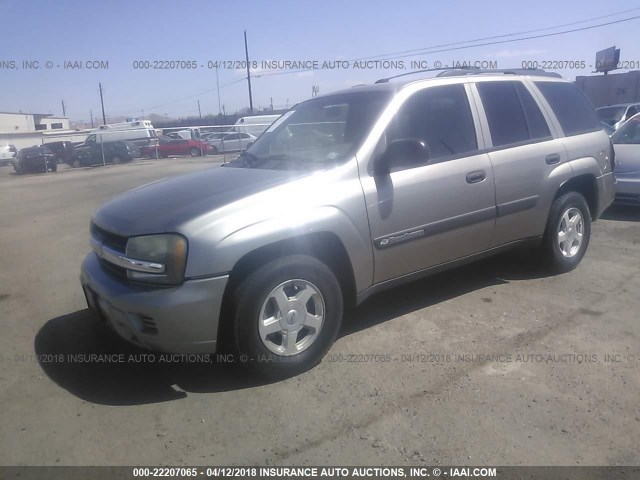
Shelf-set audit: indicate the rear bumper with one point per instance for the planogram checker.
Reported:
(182, 319)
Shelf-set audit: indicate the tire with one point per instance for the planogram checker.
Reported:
(252, 301)
(214, 150)
(565, 256)
(194, 152)
(54, 167)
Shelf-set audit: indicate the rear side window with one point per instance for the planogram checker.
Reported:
(537, 125)
(512, 113)
(573, 110)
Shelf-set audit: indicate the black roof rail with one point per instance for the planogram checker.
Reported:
(506, 71)
(459, 71)
(386, 80)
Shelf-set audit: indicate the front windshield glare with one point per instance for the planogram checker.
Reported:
(317, 133)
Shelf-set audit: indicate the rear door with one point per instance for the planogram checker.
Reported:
(524, 153)
(428, 213)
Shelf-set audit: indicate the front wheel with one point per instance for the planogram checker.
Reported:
(568, 232)
(287, 314)
(195, 152)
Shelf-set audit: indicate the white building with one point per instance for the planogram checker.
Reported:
(28, 129)
(17, 123)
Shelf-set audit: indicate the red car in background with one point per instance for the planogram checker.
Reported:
(177, 146)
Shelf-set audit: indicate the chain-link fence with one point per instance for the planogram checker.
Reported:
(45, 151)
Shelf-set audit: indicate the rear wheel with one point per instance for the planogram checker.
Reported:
(214, 150)
(287, 315)
(195, 152)
(568, 232)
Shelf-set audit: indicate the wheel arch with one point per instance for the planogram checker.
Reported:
(584, 184)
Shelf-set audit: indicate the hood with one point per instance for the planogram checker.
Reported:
(164, 205)
(627, 158)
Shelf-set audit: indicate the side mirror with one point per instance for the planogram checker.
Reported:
(404, 151)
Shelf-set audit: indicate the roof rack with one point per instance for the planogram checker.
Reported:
(459, 71)
(506, 71)
(386, 80)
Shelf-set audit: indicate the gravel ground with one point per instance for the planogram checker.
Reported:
(494, 363)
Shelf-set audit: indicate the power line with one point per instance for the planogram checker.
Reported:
(495, 36)
(447, 48)
(422, 50)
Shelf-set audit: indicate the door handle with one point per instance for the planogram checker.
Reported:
(477, 176)
(552, 158)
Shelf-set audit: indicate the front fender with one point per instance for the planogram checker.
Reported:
(326, 219)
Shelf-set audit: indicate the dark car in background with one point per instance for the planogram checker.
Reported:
(63, 150)
(35, 159)
(87, 154)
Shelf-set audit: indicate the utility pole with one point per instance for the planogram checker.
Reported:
(218, 88)
(64, 112)
(199, 111)
(91, 115)
(246, 53)
(104, 117)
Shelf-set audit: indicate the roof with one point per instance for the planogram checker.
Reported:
(385, 84)
(33, 114)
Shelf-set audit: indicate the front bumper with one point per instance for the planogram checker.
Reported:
(181, 319)
(628, 189)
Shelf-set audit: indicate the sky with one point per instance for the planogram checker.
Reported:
(128, 33)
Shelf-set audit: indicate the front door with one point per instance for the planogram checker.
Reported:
(434, 211)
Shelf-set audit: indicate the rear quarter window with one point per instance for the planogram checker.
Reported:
(571, 107)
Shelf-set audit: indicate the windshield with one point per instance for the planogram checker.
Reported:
(629, 133)
(611, 115)
(316, 134)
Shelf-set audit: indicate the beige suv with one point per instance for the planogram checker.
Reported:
(343, 196)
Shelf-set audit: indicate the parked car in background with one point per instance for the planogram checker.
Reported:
(255, 124)
(177, 146)
(616, 115)
(269, 248)
(7, 154)
(231, 142)
(626, 142)
(85, 155)
(35, 159)
(141, 136)
(63, 150)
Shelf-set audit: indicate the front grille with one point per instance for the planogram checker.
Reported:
(112, 240)
(113, 269)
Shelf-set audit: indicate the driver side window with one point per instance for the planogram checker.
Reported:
(441, 118)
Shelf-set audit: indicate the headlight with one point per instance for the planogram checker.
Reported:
(167, 249)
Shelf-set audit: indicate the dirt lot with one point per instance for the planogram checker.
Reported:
(494, 363)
